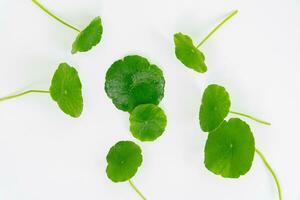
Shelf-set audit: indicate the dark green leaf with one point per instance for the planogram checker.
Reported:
(133, 81)
(88, 37)
(189, 54)
(147, 122)
(123, 161)
(66, 90)
(214, 107)
(230, 149)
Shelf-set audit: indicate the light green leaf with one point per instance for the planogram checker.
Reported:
(133, 81)
(88, 37)
(147, 122)
(214, 108)
(189, 54)
(65, 89)
(230, 149)
(123, 161)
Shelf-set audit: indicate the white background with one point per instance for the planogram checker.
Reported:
(46, 155)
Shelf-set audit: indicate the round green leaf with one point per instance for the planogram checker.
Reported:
(123, 161)
(65, 89)
(133, 81)
(147, 122)
(214, 108)
(88, 37)
(189, 54)
(230, 149)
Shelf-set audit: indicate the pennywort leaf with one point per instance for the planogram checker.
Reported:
(87, 38)
(147, 122)
(123, 161)
(133, 81)
(214, 108)
(65, 89)
(229, 150)
(189, 54)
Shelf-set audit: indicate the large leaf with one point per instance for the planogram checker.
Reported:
(133, 81)
(230, 149)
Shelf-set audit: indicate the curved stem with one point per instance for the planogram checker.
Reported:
(271, 171)
(54, 16)
(250, 117)
(137, 190)
(217, 27)
(23, 93)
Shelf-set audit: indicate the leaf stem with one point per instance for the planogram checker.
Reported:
(137, 190)
(263, 158)
(23, 93)
(217, 27)
(54, 16)
(250, 117)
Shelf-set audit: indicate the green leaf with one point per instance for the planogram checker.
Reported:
(188, 53)
(214, 108)
(88, 37)
(123, 161)
(133, 81)
(65, 89)
(147, 122)
(230, 149)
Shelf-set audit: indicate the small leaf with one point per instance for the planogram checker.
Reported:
(133, 81)
(189, 54)
(88, 37)
(65, 89)
(123, 161)
(147, 122)
(214, 108)
(230, 149)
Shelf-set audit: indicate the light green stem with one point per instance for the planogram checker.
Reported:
(250, 117)
(271, 171)
(137, 190)
(54, 16)
(217, 27)
(23, 93)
